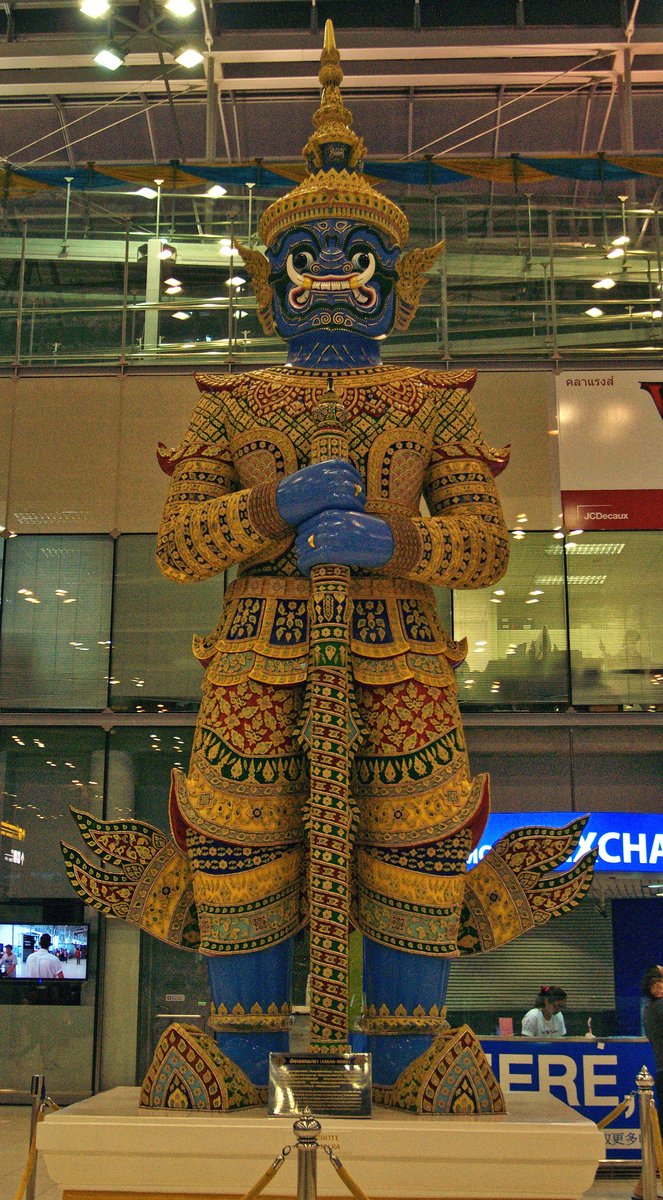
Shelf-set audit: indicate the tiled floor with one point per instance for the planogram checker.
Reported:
(14, 1138)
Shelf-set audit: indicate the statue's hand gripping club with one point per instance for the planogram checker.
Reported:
(326, 503)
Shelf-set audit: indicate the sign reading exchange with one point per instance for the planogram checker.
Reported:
(625, 841)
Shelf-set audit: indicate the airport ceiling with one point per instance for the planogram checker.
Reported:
(422, 77)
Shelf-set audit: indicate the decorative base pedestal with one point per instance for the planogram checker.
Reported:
(108, 1148)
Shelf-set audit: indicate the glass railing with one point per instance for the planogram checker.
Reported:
(515, 279)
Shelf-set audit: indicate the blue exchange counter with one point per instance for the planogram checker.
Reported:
(590, 1075)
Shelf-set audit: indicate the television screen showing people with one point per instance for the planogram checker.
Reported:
(43, 952)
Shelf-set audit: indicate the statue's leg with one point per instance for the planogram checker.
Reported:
(418, 806)
(239, 815)
(393, 978)
(263, 978)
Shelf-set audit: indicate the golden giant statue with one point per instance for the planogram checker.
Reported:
(329, 778)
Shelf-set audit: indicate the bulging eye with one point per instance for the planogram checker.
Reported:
(362, 260)
(302, 260)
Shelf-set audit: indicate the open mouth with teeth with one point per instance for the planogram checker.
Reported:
(306, 287)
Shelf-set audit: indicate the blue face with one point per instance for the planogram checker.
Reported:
(334, 291)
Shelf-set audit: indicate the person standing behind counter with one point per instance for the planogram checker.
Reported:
(545, 1019)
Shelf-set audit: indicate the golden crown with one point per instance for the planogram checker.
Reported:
(335, 184)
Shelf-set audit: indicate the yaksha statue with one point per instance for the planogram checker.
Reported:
(329, 777)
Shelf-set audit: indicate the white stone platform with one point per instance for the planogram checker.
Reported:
(108, 1145)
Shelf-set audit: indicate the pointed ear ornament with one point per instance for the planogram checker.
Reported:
(258, 268)
(411, 270)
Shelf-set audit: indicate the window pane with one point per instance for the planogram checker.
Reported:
(171, 981)
(615, 584)
(56, 622)
(154, 619)
(516, 631)
(43, 771)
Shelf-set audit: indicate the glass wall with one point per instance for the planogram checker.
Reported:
(576, 623)
(47, 1028)
(517, 632)
(56, 615)
(153, 622)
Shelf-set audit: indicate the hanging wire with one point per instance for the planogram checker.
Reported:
(518, 117)
(500, 108)
(75, 120)
(113, 124)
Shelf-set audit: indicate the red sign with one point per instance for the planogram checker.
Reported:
(638, 509)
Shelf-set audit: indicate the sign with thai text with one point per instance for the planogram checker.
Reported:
(611, 449)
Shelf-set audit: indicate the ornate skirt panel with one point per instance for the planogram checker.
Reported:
(240, 814)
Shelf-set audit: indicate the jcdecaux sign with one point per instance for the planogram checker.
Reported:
(625, 841)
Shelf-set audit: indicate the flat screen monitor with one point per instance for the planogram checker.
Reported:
(42, 951)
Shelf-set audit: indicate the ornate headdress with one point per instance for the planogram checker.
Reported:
(334, 156)
(336, 186)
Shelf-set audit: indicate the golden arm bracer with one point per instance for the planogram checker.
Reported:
(515, 887)
(150, 885)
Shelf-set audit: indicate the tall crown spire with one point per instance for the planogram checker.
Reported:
(334, 154)
(334, 143)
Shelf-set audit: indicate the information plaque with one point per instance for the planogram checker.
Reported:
(329, 1085)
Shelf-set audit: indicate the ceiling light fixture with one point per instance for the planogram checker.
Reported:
(94, 8)
(623, 240)
(188, 56)
(606, 283)
(216, 190)
(109, 56)
(593, 311)
(148, 192)
(181, 316)
(616, 252)
(167, 252)
(180, 8)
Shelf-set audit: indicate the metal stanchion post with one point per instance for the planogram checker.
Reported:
(645, 1086)
(306, 1130)
(38, 1094)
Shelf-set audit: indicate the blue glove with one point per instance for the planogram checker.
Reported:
(348, 539)
(332, 484)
